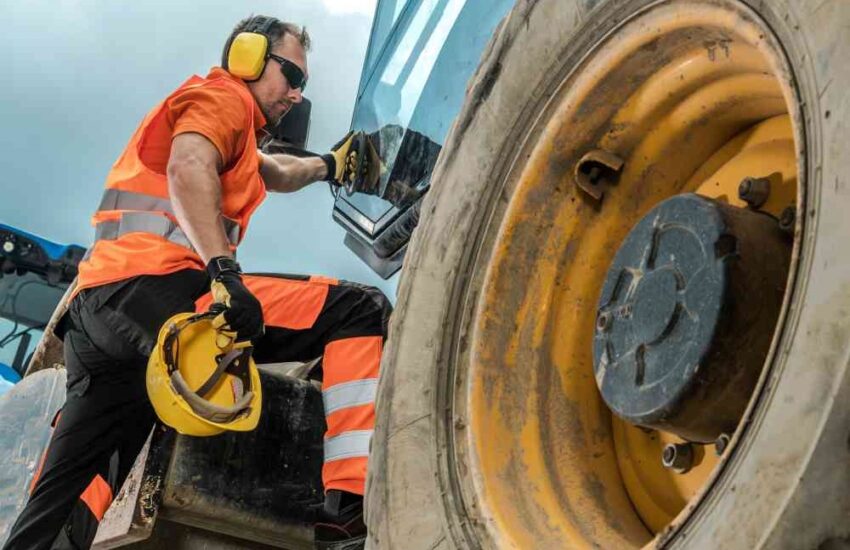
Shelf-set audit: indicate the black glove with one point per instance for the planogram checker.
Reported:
(354, 164)
(243, 314)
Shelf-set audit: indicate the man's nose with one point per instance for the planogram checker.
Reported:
(294, 95)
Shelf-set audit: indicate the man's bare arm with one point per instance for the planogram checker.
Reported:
(286, 173)
(195, 189)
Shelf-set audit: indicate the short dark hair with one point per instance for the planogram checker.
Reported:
(276, 30)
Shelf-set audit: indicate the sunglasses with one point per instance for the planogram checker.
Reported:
(291, 71)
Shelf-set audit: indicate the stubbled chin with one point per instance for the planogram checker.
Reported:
(273, 115)
(266, 113)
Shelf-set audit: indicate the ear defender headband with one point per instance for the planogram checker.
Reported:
(246, 55)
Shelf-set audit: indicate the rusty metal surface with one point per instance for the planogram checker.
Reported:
(132, 516)
(177, 536)
(116, 528)
(49, 351)
(262, 485)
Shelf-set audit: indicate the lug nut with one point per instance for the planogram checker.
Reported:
(678, 457)
(754, 191)
(603, 322)
(787, 219)
(720, 444)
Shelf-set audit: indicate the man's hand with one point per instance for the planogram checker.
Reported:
(354, 164)
(243, 314)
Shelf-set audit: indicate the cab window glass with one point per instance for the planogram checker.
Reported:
(386, 15)
(414, 91)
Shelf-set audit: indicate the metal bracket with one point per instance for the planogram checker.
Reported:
(596, 171)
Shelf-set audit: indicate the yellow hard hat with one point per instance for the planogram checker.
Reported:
(200, 383)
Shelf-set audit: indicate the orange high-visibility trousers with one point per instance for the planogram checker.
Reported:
(344, 323)
(109, 333)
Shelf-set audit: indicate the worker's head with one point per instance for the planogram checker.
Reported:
(275, 70)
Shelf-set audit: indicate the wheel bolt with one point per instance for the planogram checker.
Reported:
(603, 322)
(678, 457)
(754, 191)
(787, 219)
(721, 444)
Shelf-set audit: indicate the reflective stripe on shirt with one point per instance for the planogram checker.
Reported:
(141, 212)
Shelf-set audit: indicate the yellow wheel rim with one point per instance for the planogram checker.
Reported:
(693, 97)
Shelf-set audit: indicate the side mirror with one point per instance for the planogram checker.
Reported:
(294, 128)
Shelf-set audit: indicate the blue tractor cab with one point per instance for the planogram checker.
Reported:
(34, 274)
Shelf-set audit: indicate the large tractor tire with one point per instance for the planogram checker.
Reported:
(584, 117)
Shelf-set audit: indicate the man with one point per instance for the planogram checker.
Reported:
(177, 202)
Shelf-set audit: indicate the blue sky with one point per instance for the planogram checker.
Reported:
(80, 74)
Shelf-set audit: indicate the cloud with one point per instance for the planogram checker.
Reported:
(348, 7)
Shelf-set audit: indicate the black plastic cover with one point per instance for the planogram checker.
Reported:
(659, 308)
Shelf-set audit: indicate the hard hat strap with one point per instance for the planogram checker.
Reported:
(211, 411)
(234, 362)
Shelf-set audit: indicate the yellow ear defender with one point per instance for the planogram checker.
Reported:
(246, 55)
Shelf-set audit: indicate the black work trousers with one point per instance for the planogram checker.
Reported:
(109, 333)
(107, 415)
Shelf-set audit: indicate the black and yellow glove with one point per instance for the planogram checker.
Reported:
(242, 314)
(354, 164)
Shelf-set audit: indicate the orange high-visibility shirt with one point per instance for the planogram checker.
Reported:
(136, 230)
